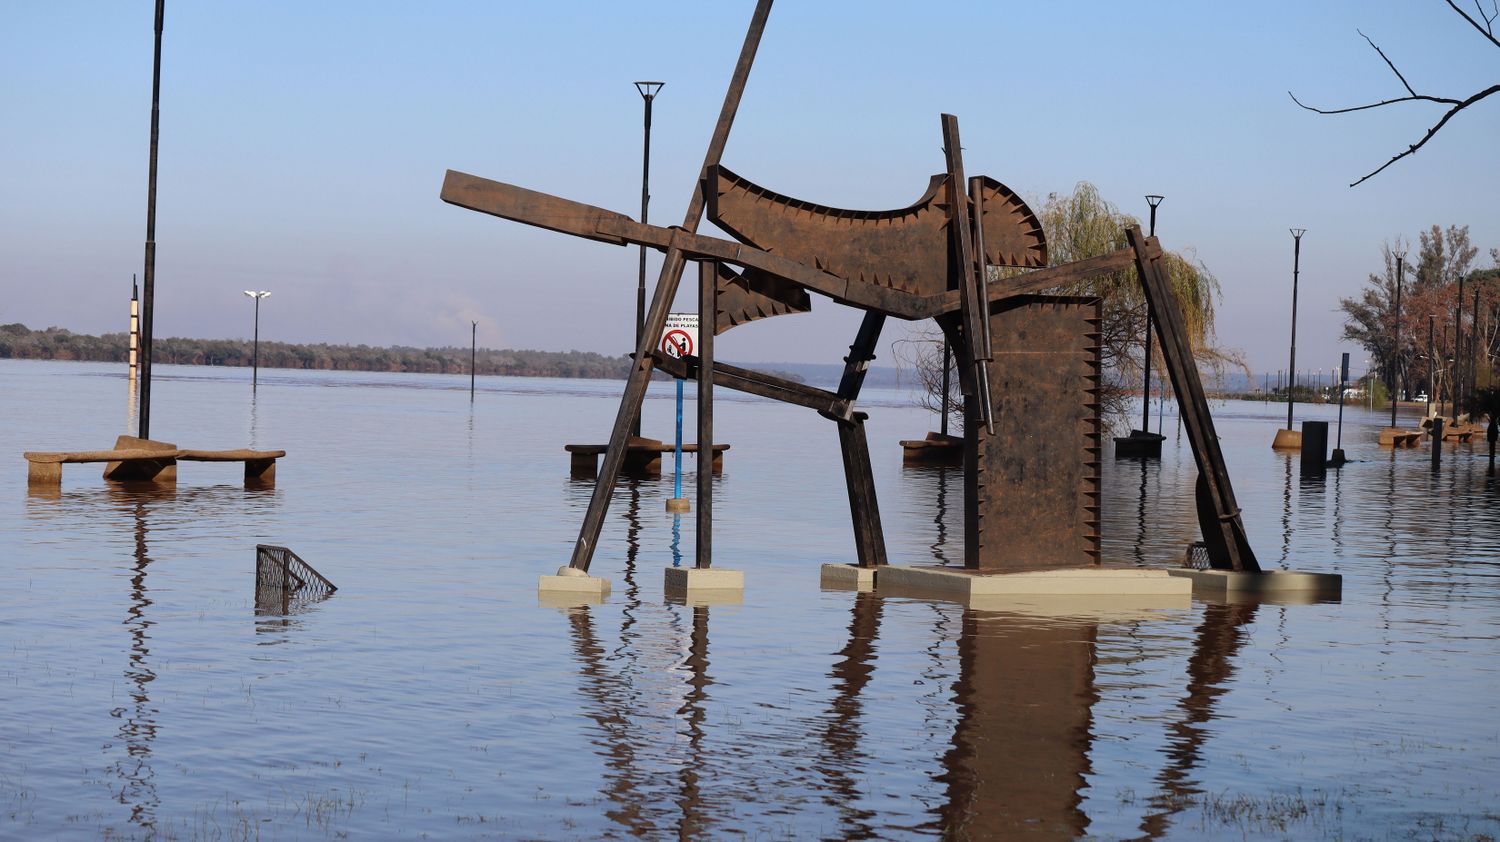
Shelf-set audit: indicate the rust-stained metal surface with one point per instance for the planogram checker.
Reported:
(1031, 490)
(1028, 365)
(905, 249)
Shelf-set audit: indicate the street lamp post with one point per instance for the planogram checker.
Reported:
(1291, 393)
(648, 92)
(1153, 201)
(1458, 349)
(1396, 345)
(1431, 365)
(255, 353)
(473, 352)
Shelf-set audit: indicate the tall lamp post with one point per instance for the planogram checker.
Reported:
(148, 276)
(255, 354)
(1153, 201)
(1431, 365)
(1458, 349)
(1396, 345)
(1291, 393)
(648, 92)
(473, 352)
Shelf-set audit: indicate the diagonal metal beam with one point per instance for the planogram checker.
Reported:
(661, 301)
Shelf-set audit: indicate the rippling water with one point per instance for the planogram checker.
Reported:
(144, 696)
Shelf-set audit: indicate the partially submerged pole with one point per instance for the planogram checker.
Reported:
(473, 354)
(143, 427)
(135, 325)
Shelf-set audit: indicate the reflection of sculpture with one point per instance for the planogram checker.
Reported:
(1031, 485)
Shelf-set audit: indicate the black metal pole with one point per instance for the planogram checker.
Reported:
(473, 354)
(947, 364)
(1291, 396)
(648, 91)
(1472, 363)
(1396, 346)
(1458, 349)
(143, 426)
(1431, 364)
(255, 349)
(1153, 201)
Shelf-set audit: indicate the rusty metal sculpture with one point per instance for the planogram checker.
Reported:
(1032, 490)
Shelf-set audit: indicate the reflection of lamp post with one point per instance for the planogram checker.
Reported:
(1291, 393)
(1396, 344)
(648, 91)
(255, 354)
(1153, 201)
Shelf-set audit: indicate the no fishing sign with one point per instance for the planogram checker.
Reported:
(680, 338)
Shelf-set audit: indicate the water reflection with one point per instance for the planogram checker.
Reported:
(843, 760)
(1217, 640)
(1020, 750)
(138, 728)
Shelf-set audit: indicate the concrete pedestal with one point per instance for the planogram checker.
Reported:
(1073, 592)
(704, 586)
(1267, 582)
(571, 580)
(847, 577)
(1287, 440)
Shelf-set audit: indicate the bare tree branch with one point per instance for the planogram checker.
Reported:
(1487, 29)
(1493, 89)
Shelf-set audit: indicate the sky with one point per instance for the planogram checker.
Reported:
(303, 146)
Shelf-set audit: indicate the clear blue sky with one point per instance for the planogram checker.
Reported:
(303, 146)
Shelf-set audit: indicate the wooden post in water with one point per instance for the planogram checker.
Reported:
(708, 306)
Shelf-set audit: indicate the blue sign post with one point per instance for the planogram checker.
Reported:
(679, 340)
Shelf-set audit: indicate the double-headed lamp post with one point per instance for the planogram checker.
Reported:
(1153, 201)
(1291, 392)
(255, 354)
(648, 92)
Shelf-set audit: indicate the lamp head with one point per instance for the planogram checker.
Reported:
(1153, 200)
(1297, 233)
(649, 90)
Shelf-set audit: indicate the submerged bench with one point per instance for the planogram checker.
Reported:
(642, 457)
(1397, 437)
(143, 460)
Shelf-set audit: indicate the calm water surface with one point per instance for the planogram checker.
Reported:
(432, 697)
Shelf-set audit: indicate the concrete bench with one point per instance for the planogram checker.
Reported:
(143, 460)
(1397, 437)
(642, 458)
(936, 449)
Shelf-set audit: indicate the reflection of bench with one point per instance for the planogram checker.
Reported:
(642, 457)
(143, 460)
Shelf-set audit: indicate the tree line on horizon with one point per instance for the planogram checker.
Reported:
(55, 343)
(18, 342)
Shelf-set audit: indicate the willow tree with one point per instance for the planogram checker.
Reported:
(1080, 225)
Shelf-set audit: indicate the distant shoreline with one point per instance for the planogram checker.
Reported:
(17, 342)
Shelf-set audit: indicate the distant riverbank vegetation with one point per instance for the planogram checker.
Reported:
(55, 343)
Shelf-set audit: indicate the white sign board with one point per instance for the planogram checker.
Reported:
(680, 338)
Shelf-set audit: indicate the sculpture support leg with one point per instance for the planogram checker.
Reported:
(869, 539)
(708, 274)
(661, 301)
(1218, 513)
(630, 404)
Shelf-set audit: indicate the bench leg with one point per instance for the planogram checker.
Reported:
(44, 474)
(584, 465)
(642, 464)
(260, 471)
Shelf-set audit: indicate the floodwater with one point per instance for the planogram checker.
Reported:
(145, 695)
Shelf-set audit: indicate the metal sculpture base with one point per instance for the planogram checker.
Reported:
(1263, 582)
(693, 586)
(1139, 445)
(572, 581)
(1063, 592)
(847, 577)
